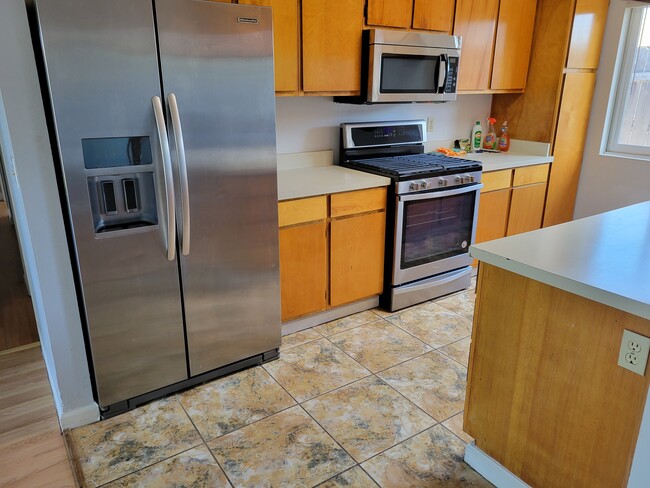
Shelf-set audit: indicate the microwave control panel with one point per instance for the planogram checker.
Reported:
(452, 74)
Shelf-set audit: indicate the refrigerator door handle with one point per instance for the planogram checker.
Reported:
(169, 181)
(182, 170)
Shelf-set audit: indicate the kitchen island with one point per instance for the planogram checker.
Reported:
(546, 398)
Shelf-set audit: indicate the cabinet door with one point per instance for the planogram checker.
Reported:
(570, 139)
(436, 15)
(391, 13)
(513, 44)
(493, 210)
(587, 33)
(476, 22)
(526, 208)
(356, 257)
(286, 42)
(303, 269)
(331, 45)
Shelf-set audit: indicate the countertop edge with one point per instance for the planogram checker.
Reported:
(567, 284)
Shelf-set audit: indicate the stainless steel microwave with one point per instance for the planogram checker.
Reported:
(400, 67)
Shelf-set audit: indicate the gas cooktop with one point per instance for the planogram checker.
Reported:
(414, 165)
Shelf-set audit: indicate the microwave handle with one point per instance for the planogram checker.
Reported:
(442, 73)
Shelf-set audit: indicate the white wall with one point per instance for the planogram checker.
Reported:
(312, 123)
(609, 182)
(39, 221)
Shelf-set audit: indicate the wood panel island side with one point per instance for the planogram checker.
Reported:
(546, 398)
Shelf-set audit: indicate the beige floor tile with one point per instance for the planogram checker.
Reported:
(379, 345)
(286, 449)
(346, 323)
(432, 324)
(299, 338)
(380, 312)
(195, 467)
(230, 403)
(355, 478)
(433, 382)
(313, 369)
(455, 424)
(458, 351)
(432, 458)
(367, 417)
(461, 303)
(107, 450)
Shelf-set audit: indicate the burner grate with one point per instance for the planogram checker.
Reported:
(415, 164)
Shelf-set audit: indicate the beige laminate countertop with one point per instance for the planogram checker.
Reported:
(323, 180)
(310, 174)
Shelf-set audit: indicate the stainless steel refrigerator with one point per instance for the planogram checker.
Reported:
(163, 118)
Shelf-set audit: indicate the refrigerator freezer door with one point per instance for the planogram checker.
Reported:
(216, 59)
(102, 71)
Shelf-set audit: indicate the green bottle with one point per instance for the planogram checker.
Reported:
(477, 136)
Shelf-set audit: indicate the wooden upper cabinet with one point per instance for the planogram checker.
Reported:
(390, 13)
(331, 45)
(286, 42)
(435, 15)
(476, 22)
(587, 34)
(513, 44)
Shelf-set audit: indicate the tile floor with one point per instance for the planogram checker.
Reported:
(374, 399)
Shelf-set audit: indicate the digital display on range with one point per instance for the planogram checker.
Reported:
(396, 134)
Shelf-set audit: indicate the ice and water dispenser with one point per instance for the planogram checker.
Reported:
(125, 199)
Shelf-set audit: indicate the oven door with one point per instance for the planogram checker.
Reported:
(411, 74)
(433, 232)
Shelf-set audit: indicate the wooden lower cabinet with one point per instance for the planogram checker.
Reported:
(303, 269)
(493, 215)
(357, 257)
(526, 208)
(331, 250)
(512, 202)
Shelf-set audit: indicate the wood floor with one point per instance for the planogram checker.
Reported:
(32, 452)
(17, 322)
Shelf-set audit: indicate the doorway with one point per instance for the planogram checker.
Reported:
(17, 320)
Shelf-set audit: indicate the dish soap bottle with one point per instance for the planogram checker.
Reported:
(504, 138)
(490, 141)
(477, 136)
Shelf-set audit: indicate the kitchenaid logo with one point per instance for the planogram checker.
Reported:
(247, 20)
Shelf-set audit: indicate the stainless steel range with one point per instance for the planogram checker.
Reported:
(432, 217)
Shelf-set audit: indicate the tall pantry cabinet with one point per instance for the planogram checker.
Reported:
(556, 105)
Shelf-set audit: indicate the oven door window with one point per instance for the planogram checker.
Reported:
(422, 74)
(437, 228)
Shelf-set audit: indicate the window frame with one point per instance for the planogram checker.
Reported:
(621, 83)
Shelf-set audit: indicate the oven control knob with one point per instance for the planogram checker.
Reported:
(424, 185)
(414, 187)
(442, 181)
(459, 179)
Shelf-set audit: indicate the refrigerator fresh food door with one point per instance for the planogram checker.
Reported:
(217, 62)
(102, 71)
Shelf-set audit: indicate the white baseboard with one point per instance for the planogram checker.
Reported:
(80, 416)
(490, 469)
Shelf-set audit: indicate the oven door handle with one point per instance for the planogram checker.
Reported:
(439, 194)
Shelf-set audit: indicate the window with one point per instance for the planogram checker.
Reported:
(629, 130)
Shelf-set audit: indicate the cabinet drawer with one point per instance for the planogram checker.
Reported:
(531, 174)
(496, 180)
(355, 202)
(303, 210)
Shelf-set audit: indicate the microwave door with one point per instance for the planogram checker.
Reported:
(405, 74)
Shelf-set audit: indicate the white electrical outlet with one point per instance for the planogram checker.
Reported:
(429, 124)
(634, 352)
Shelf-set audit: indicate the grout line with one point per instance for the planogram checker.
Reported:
(151, 465)
(205, 443)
